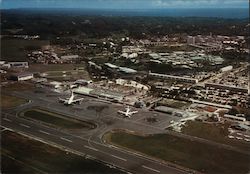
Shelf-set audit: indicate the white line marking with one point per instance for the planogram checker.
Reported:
(65, 139)
(6, 119)
(47, 133)
(149, 168)
(24, 125)
(119, 158)
(92, 148)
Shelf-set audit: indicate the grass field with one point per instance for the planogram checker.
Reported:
(20, 154)
(215, 132)
(174, 103)
(62, 72)
(17, 49)
(56, 119)
(198, 156)
(8, 101)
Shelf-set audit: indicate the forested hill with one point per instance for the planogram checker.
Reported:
(49, 24)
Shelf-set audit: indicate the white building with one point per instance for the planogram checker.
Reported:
(190, 40)
(22, 76)
(227, 68)
(175, 78)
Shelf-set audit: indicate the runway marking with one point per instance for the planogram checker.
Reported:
(92, 148)
(118, 157)
(6, 119)
(65, 139)
(47, 133)
(149, 168)
(24, 125)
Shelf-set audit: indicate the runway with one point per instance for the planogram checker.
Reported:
(90, 142)
(128, 161)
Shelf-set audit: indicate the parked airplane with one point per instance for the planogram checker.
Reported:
(70, 100)
(128, 112)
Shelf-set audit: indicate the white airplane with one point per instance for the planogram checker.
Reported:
(128, 112)
(70, 100)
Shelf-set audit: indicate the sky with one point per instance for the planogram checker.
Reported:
(124, 4)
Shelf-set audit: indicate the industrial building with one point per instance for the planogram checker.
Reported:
(211, 104)
(125, 70)
(98, 93)
(175, 78)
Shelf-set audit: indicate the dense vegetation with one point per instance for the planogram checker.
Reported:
(50, 25)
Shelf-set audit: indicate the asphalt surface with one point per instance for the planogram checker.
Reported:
(126, 160)
(90, 142)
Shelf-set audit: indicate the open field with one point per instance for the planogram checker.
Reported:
(56, 119)
(195, 155)
(215, 132)
(8, 101)
(17, 49)
(20, 154)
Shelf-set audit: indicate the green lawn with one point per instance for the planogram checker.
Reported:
(190, 154)
(56, 119)
(174, 103)
(20, 154)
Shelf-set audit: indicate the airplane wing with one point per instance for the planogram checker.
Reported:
(121, 112)
(77, 100)
(133, 112)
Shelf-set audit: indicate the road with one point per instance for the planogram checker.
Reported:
(128, 161)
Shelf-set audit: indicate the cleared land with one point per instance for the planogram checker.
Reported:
(54, 67)
(20, 154)
(17, 49)
(56, 119)
(215, 132)
(8, 101)
(195, 155)
(67, 75)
